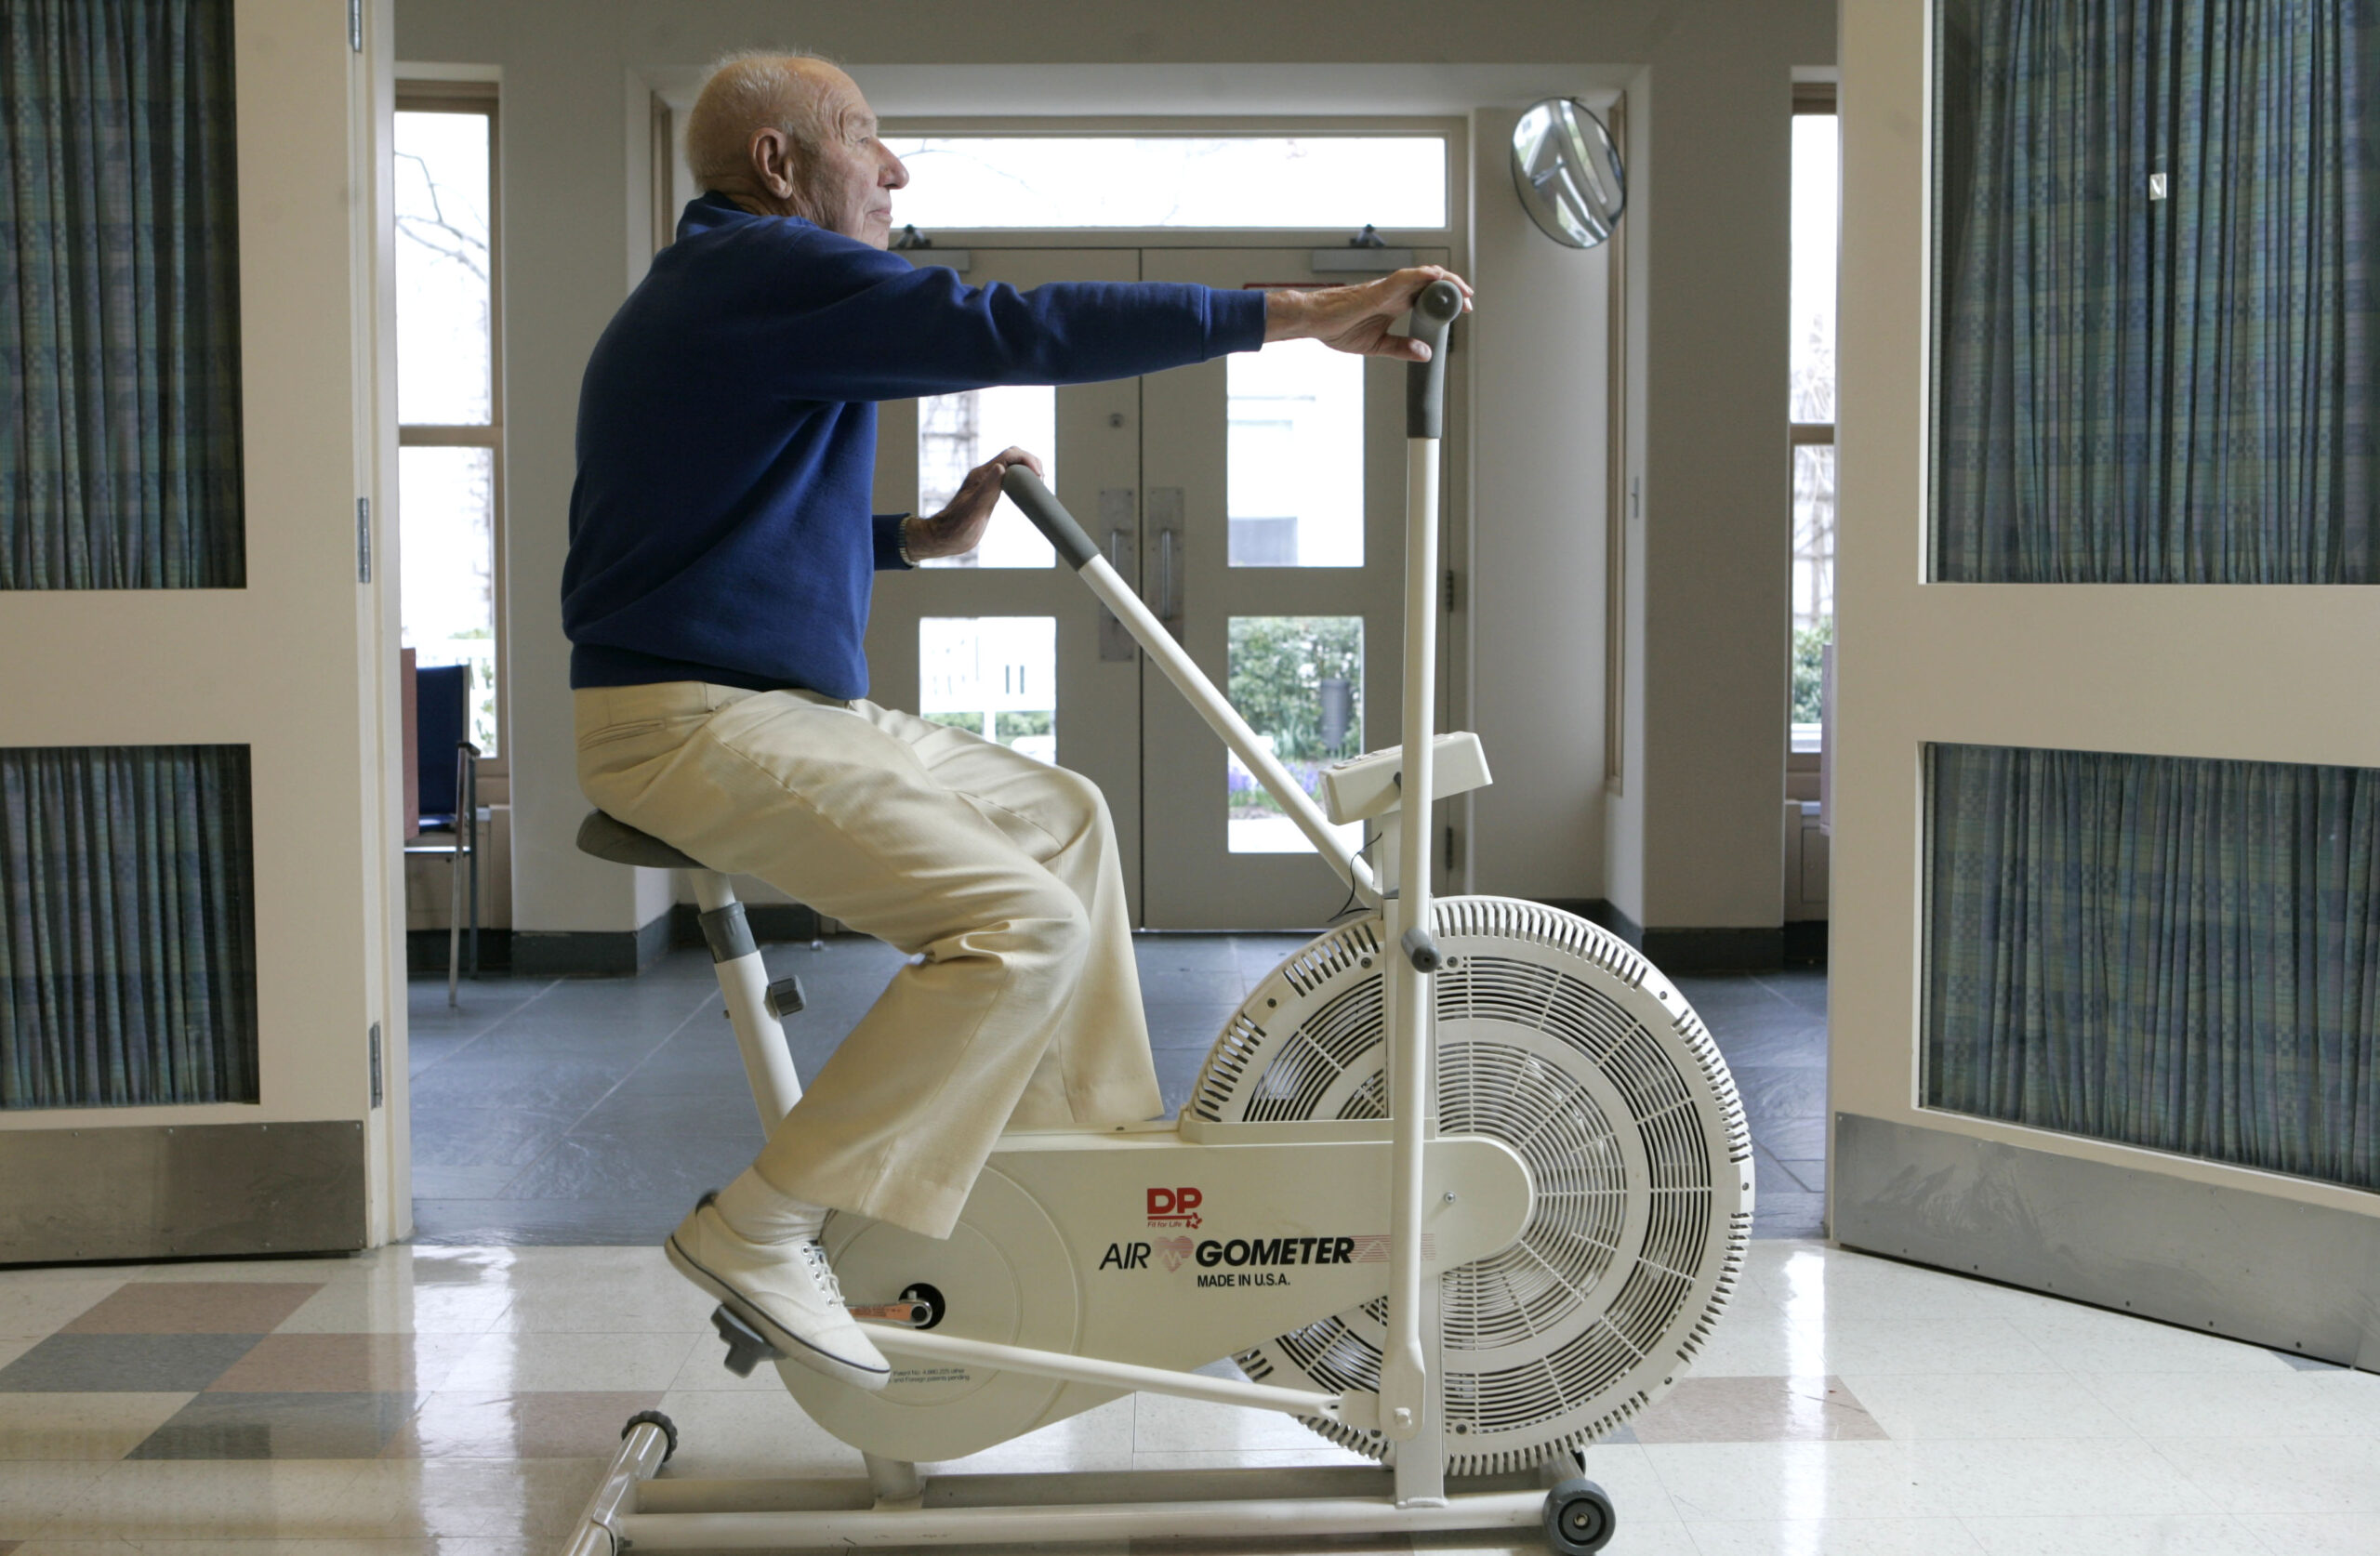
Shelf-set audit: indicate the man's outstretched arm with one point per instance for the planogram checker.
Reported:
(1357, 318)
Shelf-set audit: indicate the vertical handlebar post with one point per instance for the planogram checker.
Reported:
(1408, 1373)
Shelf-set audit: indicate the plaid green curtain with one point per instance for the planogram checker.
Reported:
(2141, 391)
(128, 954)
(119, 297)
(2172, 952)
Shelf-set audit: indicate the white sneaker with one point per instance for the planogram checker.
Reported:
(784, 1290)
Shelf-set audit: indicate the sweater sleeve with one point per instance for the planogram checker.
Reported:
(867, 326)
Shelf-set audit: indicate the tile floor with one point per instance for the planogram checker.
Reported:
(448, 1399)
(462, 1394)
(594, 1110)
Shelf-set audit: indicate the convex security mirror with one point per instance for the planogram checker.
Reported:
(1567, 172)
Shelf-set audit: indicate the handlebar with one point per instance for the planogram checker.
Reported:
(1435, 312)
(1049, 515)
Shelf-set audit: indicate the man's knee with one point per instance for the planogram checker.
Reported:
(1075, 805)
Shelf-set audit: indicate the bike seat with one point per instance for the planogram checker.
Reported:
(606, 837)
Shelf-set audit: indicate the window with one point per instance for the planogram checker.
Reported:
(1815, 202)
(450, 432)
(1140, 181)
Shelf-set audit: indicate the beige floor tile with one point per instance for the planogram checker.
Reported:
(2282, 1475)
(343, 1364)
(1630, 1480)
(1833, 1536)
(269, 1270)
(1911, 1405)
(2284, 1403)
(504, 1361)
(1729, 1482)
(399, 1307)
(2092, 1534)
(2316, 1533)
(249, 1499)
(706, 1367)
(523, 1499)
(517, 1425)
(194, 1308)
(35, 1310)
(1755, 1410)
(33, 1494)
(81, 1426)
(1807, 1344)
(2086, 1339)
(1098, 1439)
(727, 1432)
(650, 1305)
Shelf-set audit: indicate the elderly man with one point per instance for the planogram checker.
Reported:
(716, 594)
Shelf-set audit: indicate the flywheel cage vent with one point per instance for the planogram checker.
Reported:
(1559, 1039)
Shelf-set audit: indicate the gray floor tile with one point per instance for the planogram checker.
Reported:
(447, 1135)
(546, 1222)
(632, 1165)
(281, 1426)
(1189, 1025)
(1788, 1215)
(461, 1182)
(1184, 985)
(1209, 953)
(124, 1364)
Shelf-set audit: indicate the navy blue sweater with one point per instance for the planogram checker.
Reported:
(720, 527)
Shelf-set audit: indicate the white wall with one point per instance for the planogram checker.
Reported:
(302, 664)
(1712, 764)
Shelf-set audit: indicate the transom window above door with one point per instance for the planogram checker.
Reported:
(1293, 181)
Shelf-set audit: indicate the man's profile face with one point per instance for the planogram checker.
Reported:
(849, 186)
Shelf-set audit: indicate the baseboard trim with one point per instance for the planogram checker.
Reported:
(590, 953)
(1697, 950)
(426, 951)
(181, 1191)
(2275, 1273)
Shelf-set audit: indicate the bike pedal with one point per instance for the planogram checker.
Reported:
(745, 1347)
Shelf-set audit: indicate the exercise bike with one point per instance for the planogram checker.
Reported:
(1462, 1187)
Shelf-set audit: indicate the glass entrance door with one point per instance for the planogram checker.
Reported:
(1257, 501)
(1286, 469)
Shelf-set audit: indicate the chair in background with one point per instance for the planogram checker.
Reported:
(447, 772)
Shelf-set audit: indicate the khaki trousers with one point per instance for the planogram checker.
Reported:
(998, 871)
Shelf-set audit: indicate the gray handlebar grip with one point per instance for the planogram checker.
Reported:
(1435, 312)
(1049, 515)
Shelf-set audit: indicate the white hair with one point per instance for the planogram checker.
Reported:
(748, 90)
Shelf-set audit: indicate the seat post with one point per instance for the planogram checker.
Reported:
(743, 980)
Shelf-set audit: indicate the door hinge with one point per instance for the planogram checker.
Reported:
(1453, 849)
(356, 26)
(1453, 591)
(363, 540)
(375, 1064)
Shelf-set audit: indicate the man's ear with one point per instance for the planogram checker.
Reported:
(772, 156)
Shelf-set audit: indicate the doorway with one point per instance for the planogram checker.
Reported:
(1256, 501)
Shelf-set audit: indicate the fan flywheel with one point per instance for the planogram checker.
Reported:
(1560, 1040)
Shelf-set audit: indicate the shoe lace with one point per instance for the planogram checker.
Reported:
(823, 1271)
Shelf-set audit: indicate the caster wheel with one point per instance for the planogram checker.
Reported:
(1579, 1520)
(668, 1431)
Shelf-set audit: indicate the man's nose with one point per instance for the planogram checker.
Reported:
(896, 172)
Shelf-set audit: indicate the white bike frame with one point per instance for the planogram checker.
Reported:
(986, 1510)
